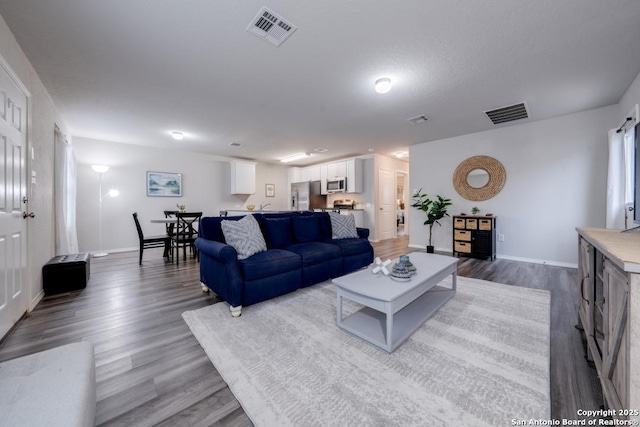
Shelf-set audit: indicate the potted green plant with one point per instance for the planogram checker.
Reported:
(434, 209)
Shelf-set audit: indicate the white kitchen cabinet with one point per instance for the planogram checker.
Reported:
(294, 175)
(310, 173)
(354, 175)
(323, 178)
(243, 177)
(313, 173)
(336, 169)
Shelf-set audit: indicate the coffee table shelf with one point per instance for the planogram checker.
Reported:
(394, 310)
(371, 325)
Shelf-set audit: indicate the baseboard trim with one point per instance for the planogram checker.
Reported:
(512, 258)
(538, 261)
(35, 301)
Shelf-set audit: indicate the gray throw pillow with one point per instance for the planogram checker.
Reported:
(342, 226)
(244, 235)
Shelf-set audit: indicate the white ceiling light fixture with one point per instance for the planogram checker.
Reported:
(295, 157)
(320, 150)
(400, 154)
(383, 85)
(177, 135)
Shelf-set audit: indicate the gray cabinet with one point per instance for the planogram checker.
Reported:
(609, 279)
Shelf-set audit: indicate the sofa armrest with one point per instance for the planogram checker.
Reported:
(363, 233)
(219, 270)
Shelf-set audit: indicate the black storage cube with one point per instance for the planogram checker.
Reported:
(65, 273)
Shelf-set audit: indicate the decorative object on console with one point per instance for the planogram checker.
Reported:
(381, 266)
(479, 178)
(181, 207)
(400, 273)
(404, 259)
(434, 209)
(475, 210)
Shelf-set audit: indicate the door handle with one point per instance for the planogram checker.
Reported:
(28, 215)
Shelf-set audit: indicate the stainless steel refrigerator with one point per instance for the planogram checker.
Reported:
(306, 196)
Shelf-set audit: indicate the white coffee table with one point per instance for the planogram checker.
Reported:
(394, 310)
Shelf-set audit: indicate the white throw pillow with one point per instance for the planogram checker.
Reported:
(342, 226)
(244, 235)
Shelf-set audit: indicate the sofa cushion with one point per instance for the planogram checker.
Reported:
(277, 232)
(245, 236)
(313, 253)
(343, 226)
(325, 225)
(350, 247)
(306, 229)
(269, 263)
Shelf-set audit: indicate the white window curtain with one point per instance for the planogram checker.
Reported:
(620, 178)
(615, 215)
(629, 161)
(65, 195)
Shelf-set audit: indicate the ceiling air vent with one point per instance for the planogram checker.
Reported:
(271, 27)
(418, 120)
(508, 113)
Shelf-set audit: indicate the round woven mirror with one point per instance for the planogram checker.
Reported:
(465, 178)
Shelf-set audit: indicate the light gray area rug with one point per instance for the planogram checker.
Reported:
(481, 360)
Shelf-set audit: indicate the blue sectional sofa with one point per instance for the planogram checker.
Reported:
(300, 252)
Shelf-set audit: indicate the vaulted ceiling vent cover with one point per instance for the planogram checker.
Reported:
(508, 113)
(271, 27)
(417, 120)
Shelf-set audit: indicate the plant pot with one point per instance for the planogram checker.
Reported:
(429, 249)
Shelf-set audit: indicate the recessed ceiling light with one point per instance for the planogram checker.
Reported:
(320, 150)
(400, 154)
(235, 144)
(177, 135)
(295, 157)
(383, 85)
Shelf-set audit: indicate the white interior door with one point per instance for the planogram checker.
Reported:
(13, 242)
(386, 204)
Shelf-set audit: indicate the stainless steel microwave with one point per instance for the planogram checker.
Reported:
(337, 185)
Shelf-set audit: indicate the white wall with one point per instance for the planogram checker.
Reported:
(556, 180)
(43, 116)
(629, 99)
(206, 187)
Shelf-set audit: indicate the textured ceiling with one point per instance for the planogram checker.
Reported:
(131, 71)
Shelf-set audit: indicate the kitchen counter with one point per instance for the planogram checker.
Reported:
(232, 212)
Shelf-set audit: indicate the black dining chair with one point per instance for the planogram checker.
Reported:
(170, 226)
(151, 241)
(186, 234)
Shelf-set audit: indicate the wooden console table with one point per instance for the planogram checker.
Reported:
(609, 269)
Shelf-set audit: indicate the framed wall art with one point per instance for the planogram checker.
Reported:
(164, 184)
(270, 190)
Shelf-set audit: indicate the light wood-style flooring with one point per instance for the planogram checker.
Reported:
(151, 371)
